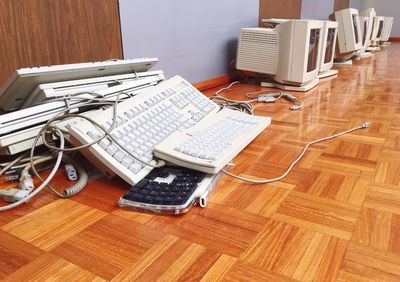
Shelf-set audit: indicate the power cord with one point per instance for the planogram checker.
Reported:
(48, 128)
(262, 97)
(29, 196)
(263, 181)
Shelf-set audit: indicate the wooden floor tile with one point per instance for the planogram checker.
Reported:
(378, 229)
(384, 197)
(246, 272)
(371, 263)
(51, 268)
(335, 217)
(318, 214)
(222, 229)
(54, 223)
(112, 243)
(297, 253)
(15, 253)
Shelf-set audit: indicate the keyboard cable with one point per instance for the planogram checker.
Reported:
(263, 181)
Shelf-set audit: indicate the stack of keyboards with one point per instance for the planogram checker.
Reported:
(168, 120)
(171, 121)
(195, 134)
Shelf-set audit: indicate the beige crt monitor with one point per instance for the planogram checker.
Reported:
(349, 33)
(289, 52)
(327, 51)
(367, 20)
(366, 31)
(377, 31)
(387, 28)
(380, 21)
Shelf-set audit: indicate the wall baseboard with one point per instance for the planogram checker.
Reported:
(394, 39)
(212, 82)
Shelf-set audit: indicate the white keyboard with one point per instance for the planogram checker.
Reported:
(212, 143)
(145, 121)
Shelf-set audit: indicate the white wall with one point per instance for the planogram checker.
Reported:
(357, 4)
(390, 8)
(316, 9)
(192, 38)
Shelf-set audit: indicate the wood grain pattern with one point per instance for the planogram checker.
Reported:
(49, 32)
(284, 9)
(335, 217)
(340, 5)
(212, 82)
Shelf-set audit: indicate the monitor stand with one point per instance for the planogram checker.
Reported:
(303, 88)
(345, 63)
(373, 48)
(327, 73)
(366, 55)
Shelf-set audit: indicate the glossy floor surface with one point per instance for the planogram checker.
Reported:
(336, 217)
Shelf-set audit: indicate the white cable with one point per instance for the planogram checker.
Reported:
(260, 181)
(10, 164)
(226, 88)
(107, 131)
(45, 182)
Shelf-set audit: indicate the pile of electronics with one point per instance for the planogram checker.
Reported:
(162, 136)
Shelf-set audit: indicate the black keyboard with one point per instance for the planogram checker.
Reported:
(169, 190)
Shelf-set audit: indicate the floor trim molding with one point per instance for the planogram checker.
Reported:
(394, 39)
(212, 82)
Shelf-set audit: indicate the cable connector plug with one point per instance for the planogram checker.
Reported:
(266, 99)
(26, 183)
(71, 172)
(14, 195)
(366, 124)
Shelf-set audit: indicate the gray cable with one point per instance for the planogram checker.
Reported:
(263, 181)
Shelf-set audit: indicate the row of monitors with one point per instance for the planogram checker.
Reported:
(358, 31)
(295, 52)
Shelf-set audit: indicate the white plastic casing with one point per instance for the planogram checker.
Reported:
(327, 64)
(349, 34)
(368, 17)
(387, 28)
(281, 52)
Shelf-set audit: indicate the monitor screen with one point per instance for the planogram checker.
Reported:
(355, 28)
(365, 32)
(313, 50)
(380, 29)
(329, 45)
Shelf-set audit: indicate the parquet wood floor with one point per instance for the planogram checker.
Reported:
(336, 217)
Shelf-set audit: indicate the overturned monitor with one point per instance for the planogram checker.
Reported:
(329, 35)
(290, 53)
(349, 33)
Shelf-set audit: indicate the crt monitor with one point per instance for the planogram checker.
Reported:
(289, 52)
(367, 21)
(377, 30)
(380, 22)
(387, 28)
(349, 32)
(328, 45)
